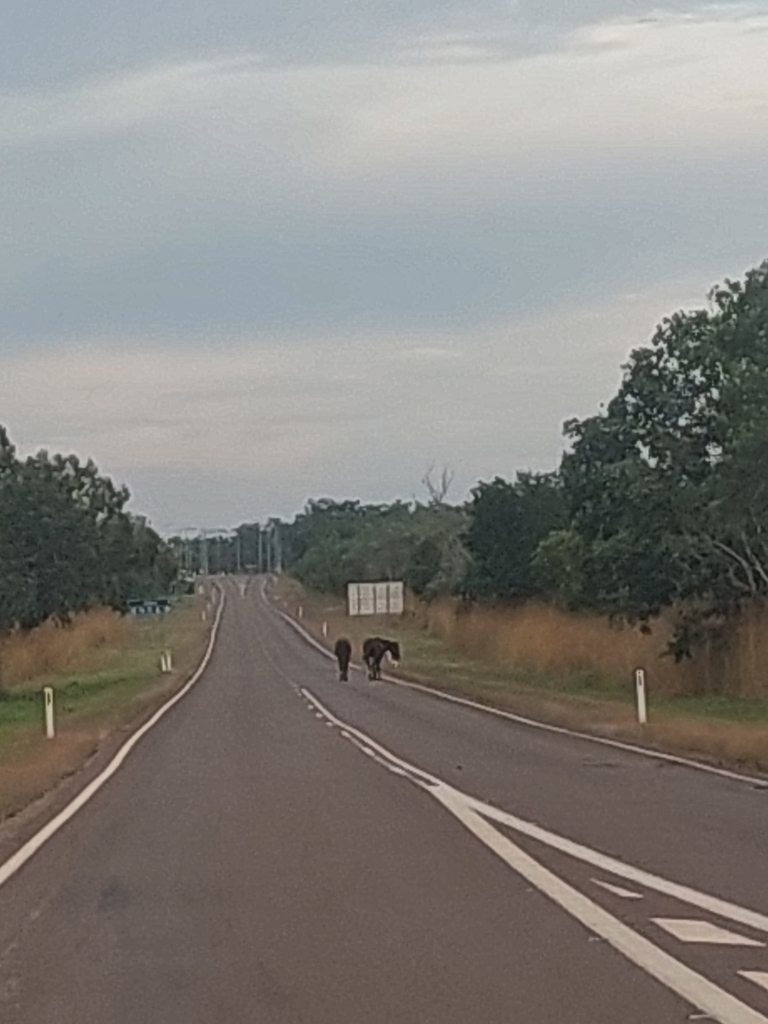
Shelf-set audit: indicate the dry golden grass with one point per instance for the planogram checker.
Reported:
(571, 670)
(546, 639)
(51, 649)
(106, 673)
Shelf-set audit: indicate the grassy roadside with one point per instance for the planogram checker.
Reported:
(721, 730)
(110, 682)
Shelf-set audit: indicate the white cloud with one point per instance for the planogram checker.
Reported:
(284, 419)
(120, 164)
(452, 145)
(663, 81)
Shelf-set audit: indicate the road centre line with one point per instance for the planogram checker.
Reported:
(683, 893)
(697, 990)
(712, 904)
(687, 983)
(632, 748)
(32, 845)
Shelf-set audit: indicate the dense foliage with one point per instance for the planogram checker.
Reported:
(332, 543)
(67, 543)
(666, 488)
(661, 500)
(508, 521)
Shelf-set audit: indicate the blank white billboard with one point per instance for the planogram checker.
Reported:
(384, 598)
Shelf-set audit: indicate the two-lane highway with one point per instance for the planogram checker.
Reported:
(281, 847)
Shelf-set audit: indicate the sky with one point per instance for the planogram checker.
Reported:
(253, 253)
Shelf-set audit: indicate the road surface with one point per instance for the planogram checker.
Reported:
(285, 849)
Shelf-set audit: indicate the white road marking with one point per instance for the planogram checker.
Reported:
(626, 894)
(632, 748)
(712, 904)
(759, 977)
(691, 986)
(687, 930)
(30, 848)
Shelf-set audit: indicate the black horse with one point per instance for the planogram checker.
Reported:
(374, 649)
(343, 652)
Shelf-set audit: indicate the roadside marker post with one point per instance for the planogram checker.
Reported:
(642, 705)
(50, 727)
(325, 629)
(301, 611)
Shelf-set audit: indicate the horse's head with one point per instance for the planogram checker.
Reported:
(394, 652)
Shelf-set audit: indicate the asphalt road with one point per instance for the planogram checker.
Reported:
(286, 849)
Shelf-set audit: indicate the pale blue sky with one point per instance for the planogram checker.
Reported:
(251, 253)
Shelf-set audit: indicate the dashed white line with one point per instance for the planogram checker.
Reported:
(625, 894)
(696, 989)
(693, 987)
(611, 865)
(632, 748)
(686, 930)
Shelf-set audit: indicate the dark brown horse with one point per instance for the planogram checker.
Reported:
(343, 652)
(374, 649)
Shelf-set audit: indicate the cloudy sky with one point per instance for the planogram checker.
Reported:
(255, 252)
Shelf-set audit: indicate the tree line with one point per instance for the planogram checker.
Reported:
(659, 502)
(67, 542)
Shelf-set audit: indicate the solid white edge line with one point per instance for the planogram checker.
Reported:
(684, 893)
(32, 845)
(685, 762)
(687, 983)
(713, 904)
(693, 987)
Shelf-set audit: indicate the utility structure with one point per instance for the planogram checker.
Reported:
(274, 548)
(250, 546)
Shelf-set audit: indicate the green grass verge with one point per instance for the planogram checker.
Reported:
(431, 661)
(111, 678)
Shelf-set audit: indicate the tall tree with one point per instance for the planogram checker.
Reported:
(666, 486)
(508, 521)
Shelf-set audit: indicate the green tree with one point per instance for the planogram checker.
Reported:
(67, 542)
(666, 485)
(508, 521)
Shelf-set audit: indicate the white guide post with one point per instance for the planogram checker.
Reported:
(642, 706)
(301, 611)
(325, 629)
(50, 728)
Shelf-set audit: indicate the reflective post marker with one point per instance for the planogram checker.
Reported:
(50, 729)
(325, 629)
(642, 709)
